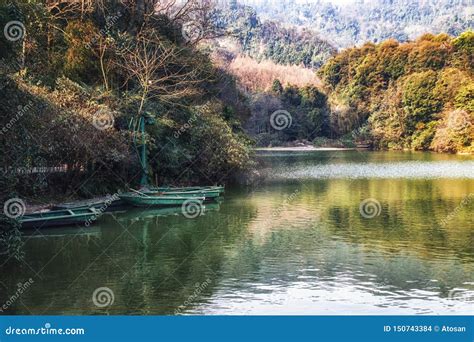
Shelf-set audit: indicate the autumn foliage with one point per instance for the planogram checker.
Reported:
(417, 95)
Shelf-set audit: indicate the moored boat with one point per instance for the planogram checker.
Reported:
(104, 205)
(144, 200)
(207, 194)
(56, 218)
(220, 189)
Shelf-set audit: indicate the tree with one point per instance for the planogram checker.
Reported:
(277, 87)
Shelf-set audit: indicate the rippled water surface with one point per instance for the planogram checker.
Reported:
(326, 233)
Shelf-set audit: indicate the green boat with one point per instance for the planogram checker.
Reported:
(220, 189)
(144, 200)
(105, 205)
(207, 194)
(56, 218)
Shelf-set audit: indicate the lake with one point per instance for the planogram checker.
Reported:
(334, 232)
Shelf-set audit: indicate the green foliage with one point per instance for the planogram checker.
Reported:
(10, 240)
(465, 42)
(418, 98)
(424, 135)
(80, 62)
(465, 98)
(308, 112)
(277, 87)
(402, 91)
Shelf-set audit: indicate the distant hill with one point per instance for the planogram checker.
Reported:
(416, 95)
(370, 20)
(269, 40)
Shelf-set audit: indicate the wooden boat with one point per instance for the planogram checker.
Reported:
(144, 200)
(207, 194)
(220, 189)
(105, 205)
(56, 218)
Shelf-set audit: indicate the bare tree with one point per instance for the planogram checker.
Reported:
(152, 65)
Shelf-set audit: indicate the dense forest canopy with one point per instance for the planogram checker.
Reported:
(417, 95)
(360, 21)
(269, 40)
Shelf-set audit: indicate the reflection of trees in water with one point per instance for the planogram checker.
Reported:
(152, 269)
(156, 266)
(403, 248)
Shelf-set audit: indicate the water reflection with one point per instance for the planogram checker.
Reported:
(284, 247)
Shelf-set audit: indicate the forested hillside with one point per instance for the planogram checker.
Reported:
(362, 21)
(75, 78)
(269, 40)
(417, 95)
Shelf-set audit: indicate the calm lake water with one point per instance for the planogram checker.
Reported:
(326, 233)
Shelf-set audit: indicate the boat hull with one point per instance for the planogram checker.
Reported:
(58, 218)
(219, 189)
(104, 206)
(208, 195)
(158, 201)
